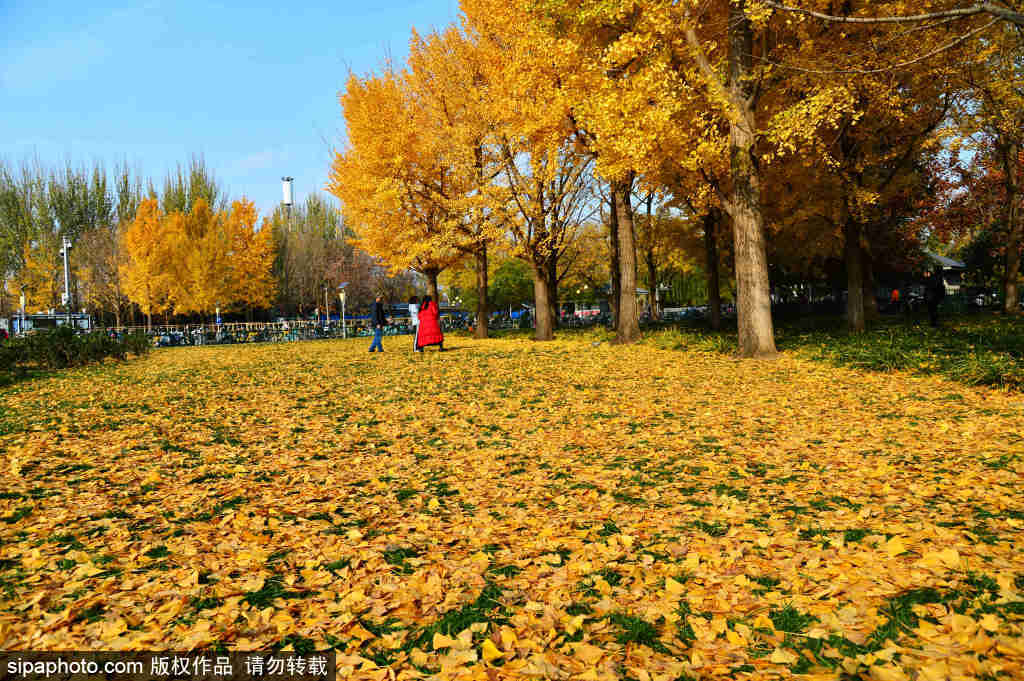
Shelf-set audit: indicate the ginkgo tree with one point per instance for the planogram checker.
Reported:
(146, 270)
(383, 178)
(717, 105)
(221, 260)
(443, 161)
(449, 80)
(741, 58)
(992, 120)
(197, 261)
(540, 110)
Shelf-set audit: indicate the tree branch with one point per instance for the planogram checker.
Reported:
(1001, 13)
(895, 67)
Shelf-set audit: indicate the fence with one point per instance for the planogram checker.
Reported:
(268, 332)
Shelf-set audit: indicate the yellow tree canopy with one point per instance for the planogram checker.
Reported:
(147, 271)
(381, 177)
(449, 81)
(197, 261)
(222, 259)
(39, 279)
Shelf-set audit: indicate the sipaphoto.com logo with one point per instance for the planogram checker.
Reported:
(194, 665)
(28, 668)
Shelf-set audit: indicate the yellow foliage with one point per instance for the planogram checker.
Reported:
(524, 520)
(197, 261)
(41, 277)
(147, 271)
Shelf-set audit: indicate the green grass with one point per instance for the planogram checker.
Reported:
(632, 629)
(398, 558)
(300, 644)
(19, 514)
(157, 552)
(790, 620)
(487, 608)
(272, 589)
(338, 565)
(505, 570)
(715, 529)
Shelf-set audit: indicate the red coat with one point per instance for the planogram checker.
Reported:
(430, 326)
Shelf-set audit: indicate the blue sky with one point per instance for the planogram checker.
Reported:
(252, 87)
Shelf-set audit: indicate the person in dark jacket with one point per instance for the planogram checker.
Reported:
(934, 292)
(378, 320)
(414, 319)
(430, 326)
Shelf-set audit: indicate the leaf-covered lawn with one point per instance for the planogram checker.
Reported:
(517, 510)
(974, 349)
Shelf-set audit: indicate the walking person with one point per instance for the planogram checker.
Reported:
(429, 332)
(378, 320)
(414, 319)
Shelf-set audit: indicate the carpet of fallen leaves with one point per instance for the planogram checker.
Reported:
(516, 510)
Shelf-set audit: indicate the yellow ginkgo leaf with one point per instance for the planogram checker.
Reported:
(441, 641)
(673, 587)
(489, 651)
(783, 656)
(895, 546)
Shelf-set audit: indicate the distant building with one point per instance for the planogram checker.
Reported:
(44, 320)
(952, 271)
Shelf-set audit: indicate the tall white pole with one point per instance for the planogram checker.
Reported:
(67, 283)
(286, 199)
(343, 330)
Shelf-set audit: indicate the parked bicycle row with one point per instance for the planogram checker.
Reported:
(265, 332)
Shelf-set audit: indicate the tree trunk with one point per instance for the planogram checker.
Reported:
(854, 275)
(542, 302)
(627, 328)
(483, 311)
(711, 220)
(870, 302)
(552, 273)
(652, 267)
(754, 305)
(483, 308)
(615, 265)
(1014, 227)
(432, 286)
(652, 283)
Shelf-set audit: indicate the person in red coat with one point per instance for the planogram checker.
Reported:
(430, 326)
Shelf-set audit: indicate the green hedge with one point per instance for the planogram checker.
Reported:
(62, 347)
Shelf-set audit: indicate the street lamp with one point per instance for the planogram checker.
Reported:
(341, 297)
(286, 190)
(66, 298)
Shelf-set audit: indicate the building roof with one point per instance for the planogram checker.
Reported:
(946, 262)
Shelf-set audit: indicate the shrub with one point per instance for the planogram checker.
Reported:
(11, 355)
(61, 348)
(55, 349)
(138, 343)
